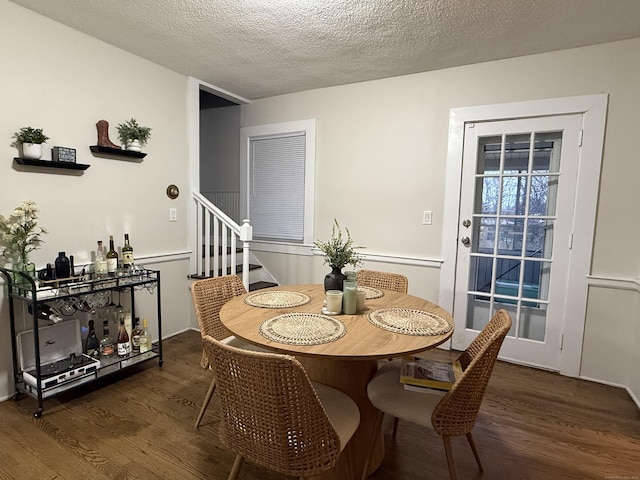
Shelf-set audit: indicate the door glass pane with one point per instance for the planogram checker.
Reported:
(507, 280)
(481, 271)
(490, 188)
(510, 236)
(489, 153)
(514, 195)
(547, 152)
(539, 238)
(485, 235)
(542, 197)
(536, 280)
(516, 153)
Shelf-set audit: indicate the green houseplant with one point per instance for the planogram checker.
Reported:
(133, 135)
(20, 235)
(30, 140)
(338, 253)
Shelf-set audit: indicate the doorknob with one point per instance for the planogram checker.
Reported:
(466, 241)
(466, 223)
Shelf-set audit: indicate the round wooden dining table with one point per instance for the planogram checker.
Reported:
(346, 363)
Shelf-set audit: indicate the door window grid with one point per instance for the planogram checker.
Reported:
(520, 174)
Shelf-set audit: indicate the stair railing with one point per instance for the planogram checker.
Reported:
(217, 236)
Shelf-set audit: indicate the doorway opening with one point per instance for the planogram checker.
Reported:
(219, 142)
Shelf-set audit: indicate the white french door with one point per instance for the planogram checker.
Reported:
(516, 217)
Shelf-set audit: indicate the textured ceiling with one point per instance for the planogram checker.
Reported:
(260, 48)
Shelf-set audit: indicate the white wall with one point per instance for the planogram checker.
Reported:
(380, 161)
(63, 81)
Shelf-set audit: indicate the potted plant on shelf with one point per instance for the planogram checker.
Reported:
(338, 253)
(31, 140)
(132, 135)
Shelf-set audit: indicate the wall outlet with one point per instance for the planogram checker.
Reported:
(426, 217)
(173, 214)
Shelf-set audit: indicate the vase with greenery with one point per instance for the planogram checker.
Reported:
(30, 140)
(338, 252)
(132, 135)
(20, 235)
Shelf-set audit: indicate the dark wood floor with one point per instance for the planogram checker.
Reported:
(533, 425)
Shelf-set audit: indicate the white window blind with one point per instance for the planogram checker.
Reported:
(277, 186)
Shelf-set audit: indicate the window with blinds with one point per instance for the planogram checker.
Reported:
(277, 186)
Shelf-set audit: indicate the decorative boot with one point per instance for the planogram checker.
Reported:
(103, 135)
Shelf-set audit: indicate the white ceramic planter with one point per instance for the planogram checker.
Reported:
(134, 146)
(32, 151)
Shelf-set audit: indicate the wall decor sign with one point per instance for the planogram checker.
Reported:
(63, 154)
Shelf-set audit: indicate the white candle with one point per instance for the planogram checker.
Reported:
(334, 301)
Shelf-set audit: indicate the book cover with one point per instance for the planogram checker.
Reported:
(423, 373)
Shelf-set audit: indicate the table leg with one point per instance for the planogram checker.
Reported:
(351, 377)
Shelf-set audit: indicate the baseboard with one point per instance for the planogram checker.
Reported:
(612, 384)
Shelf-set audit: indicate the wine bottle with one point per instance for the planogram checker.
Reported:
(124, 347)
(100, 265)
(112, 258)
(135, 336)
(106, 344)
(145, 338)
(127, 253)
(91, 343)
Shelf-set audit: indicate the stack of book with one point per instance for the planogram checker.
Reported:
(429, 376)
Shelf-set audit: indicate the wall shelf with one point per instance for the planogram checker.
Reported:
(51, 164)
(118, 152)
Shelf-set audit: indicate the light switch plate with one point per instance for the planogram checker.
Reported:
(173, 214)
(426, 217)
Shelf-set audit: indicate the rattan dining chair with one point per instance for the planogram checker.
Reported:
(274, 416)
(208, 296)
(455, 412)
(384, 280)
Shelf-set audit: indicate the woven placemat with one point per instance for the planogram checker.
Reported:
(410, 322)
(302, 329)
(277, 299)
(371, 292)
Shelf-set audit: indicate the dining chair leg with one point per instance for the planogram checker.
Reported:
(376, 428)
(207, 399)
(237, 465)
(449, 453)
(472, 444)
(395, 426)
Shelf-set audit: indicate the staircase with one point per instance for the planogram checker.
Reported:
(222, 247)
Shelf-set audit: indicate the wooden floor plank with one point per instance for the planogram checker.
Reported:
(533, 425)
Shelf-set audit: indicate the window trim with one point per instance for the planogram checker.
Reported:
(307, 126)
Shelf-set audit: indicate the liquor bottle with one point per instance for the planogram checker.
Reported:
(100, 266)
(145, 338)
(135, 336)
(106, 344)
(127, 253)
(112, 258)
(124, 347)
(91, 343)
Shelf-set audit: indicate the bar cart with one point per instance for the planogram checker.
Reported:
(45, 380)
